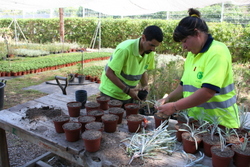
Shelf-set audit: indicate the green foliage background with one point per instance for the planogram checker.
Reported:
(114, 31)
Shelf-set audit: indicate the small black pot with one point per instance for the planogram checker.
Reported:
(142, 94)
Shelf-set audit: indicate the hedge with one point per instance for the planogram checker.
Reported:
(114, 31)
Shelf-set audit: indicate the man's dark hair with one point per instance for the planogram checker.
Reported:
(153, 32)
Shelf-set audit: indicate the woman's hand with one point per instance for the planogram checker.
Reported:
(167, 108)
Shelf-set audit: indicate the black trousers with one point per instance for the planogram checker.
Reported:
(123, 101)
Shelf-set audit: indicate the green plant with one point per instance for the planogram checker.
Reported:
(192, 160)
(243, 115)
(223, 143)
(214, 123)
(146, 144)
(165, 77)
(241, 78)
(194, 131)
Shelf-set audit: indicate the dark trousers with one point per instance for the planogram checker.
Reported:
(123, 101)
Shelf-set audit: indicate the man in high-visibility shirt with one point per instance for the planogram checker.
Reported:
(128, 65)
(207, 82)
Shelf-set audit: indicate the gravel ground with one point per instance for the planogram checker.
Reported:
(21, 151)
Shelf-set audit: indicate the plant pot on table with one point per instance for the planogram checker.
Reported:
(134, 122)
(188, 142)
(94, 126)
(74, 108)
(92, 140)
(131, 108)
(72, 131)
(208, 142)
(117, 111)
(92, 106)
(114, 103)
(110, 122)
(103, 101)
(59, 121)
(97, 114)
(84, 119)
(221, 158)
(159, 118)
(241, 156)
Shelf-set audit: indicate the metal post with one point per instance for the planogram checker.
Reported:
(222, 12)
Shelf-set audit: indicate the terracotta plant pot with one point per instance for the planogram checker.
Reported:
(92, 106)
(59, 121)
(160, 117)
(117, 111)
(94, 126)
(220, 158)
(189, 143)
(92, 140)
(179, 133)
(85, 119)
(114, 103)
(208, 143)
(134, 122)
(72, 131)
(131, 108)
(74, 108)
(241, 158)
(103, 101)
(110, 122)
(97, 114)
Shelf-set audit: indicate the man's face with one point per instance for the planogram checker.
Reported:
(149, 46)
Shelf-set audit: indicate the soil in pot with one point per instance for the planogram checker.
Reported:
(92, 106)
(117, 111)
(134, 122)
(97, 114)
(59, 121)
(241, 158)
(72, 131)
(94, 126)
(103, 101)
(114, 103)
(208, 142)
(189, 142)
(160, 117)
(233, 139)
(92, 140)
(110, 122)
(85, 119)
(221, 158)
(131, 108)
(74, 108)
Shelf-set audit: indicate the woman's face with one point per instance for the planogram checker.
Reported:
(192, 44)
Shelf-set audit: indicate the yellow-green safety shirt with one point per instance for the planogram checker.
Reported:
(128, 65)
(212, 68)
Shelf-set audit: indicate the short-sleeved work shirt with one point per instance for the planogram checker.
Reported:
(128, 65)
(212, 69)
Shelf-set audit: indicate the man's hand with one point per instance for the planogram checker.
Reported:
(133, 94)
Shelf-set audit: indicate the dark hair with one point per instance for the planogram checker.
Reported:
(153, 32)
(188, 25)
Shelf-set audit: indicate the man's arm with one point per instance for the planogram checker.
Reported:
(111, 75)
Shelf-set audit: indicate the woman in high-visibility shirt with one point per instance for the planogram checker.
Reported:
(207, 82)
